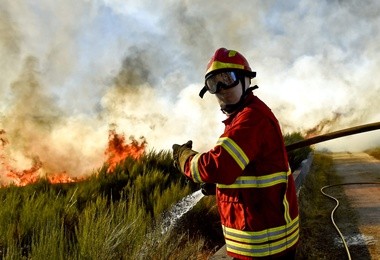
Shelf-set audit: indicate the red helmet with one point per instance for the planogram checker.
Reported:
(224, 59)
(227, 60)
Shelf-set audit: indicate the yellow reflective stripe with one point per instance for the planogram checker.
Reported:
(234, 150)
(194, 170)
(286, 213)
(232, 53)
(263, 249)
(257, 181)
(223, 65)
(286, 207)
(263, 236)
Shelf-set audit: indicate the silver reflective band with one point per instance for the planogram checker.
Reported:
(262, 243)
(263, 250)
(257, 181)
(194, 168)
(234, 150)
(262, 236)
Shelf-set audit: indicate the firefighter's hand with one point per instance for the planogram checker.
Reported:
(181, 153)
(208, 189)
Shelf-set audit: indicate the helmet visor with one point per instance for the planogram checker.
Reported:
(223, 80)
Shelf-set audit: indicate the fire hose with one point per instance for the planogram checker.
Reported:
(326, 137)
(209, 188)
(336, 207)
(333, 135)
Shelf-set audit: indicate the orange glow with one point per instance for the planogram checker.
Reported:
(25, 177)
(322, 127)
(118, 150)
(62, 177)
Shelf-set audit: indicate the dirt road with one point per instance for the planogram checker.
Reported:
(363, 237)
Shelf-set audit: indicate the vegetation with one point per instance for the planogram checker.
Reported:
(318, 237)
(110, 215)
(115, 215)
(297, 156)
(375, 152)
(314, 209)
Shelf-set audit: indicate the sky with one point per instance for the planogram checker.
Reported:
(72, 70)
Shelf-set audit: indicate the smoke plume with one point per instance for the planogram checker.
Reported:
(73, 69)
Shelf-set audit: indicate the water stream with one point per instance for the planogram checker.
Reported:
(179, 209)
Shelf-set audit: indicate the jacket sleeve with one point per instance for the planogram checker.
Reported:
(240, 144)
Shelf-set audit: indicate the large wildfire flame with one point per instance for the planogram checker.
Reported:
(117, 150)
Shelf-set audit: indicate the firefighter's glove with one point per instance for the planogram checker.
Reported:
(181, 153)
(208, 189)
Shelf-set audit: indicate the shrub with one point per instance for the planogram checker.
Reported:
(295, 157)
(110, 215)
(375, 152)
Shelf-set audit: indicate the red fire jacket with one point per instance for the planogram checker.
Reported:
(255, 192)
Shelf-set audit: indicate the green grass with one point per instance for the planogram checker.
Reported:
(315, 209)
(295, 157)
(115, 215)
(317, 233)
(108, 216)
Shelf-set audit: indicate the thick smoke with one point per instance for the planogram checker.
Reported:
(39, 133)
(73, 69)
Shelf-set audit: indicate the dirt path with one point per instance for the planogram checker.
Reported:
(364, 200)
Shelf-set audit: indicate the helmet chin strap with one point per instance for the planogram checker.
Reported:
(228, 109)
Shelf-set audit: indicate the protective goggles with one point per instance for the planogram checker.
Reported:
(223, 80)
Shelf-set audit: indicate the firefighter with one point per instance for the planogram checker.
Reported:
(255, 189)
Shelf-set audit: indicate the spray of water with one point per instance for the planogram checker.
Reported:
(180, 209)
(140, 66)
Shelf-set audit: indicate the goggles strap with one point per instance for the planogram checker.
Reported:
(203, 91)
(251, 88)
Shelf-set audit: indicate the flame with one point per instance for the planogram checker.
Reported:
(62, 177)
(323, 126)
(118, 150)
(27, 176)
(24, 177)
